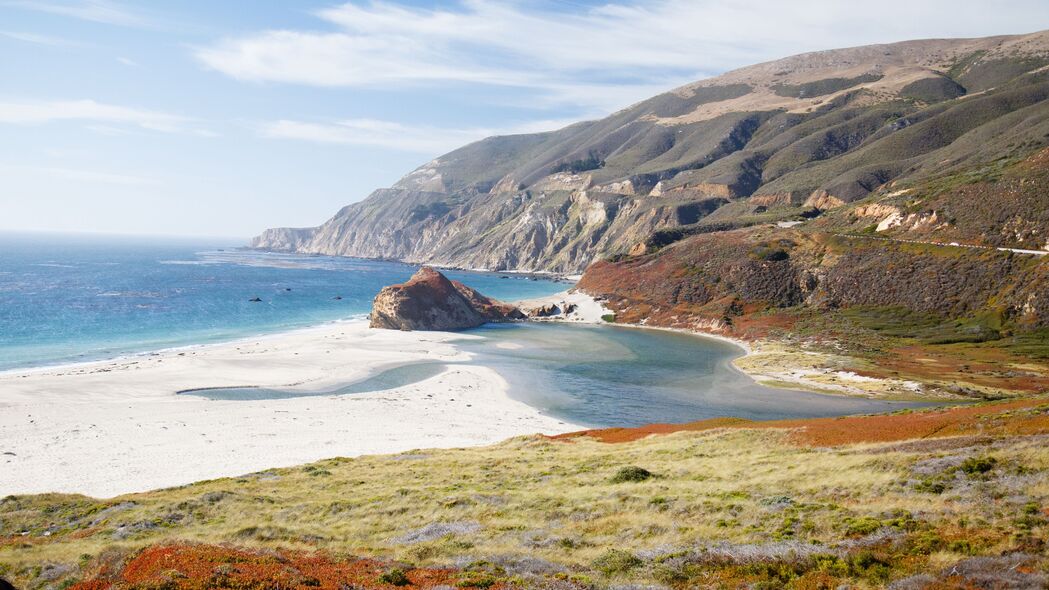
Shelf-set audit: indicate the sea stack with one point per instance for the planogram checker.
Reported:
(430, 301)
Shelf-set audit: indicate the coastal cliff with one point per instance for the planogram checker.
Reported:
(779, 141)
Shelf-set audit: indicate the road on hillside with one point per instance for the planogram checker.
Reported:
(950, 244)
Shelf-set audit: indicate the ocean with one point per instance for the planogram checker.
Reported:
(70, 298)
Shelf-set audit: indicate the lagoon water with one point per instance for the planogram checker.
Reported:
(603, 376)
(75, 298)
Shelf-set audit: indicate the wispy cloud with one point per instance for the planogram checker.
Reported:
(99, 11)
(127, 61)
(626, 48)
(79, 175)
(38, 39)
(392, 135)
(92, 112)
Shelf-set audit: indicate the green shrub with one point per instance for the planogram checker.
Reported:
(615, 561)
(978, 465)
(395, 577)
(476, 580)
(931, 486)
(631, 473)
(864, 525)
(609, 317)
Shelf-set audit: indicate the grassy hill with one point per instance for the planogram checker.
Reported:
(952, 498)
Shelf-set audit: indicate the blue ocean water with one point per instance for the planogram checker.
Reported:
(66, 298)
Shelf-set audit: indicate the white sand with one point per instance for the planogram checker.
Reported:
(113, 427)
(587, 310)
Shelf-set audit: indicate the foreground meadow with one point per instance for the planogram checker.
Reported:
(939, 498)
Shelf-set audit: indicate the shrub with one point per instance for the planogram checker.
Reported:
(978, 465)
(476, 580)
(931, 486)
(631, 473)
(609, 317)
(863, 525)
(395, 576)
(615, 561)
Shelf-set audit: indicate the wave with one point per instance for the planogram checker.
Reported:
(146, 294)
(191, 262)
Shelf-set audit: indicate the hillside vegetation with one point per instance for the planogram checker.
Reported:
(938, 498)
(907, 285)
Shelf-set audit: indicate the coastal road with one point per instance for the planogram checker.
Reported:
(949, 244)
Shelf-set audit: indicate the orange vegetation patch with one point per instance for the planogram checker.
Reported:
(967, 364)
(1022, 417)
(196, 567)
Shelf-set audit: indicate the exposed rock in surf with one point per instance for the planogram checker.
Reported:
(429, 301)
(545, 311)
(553, 310)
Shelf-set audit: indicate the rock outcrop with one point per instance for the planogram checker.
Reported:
(430, 301)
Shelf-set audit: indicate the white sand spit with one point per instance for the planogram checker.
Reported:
(113, 427)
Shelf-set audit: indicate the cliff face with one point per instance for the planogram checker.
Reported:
(710, 281)
(560, 231)
(429, 301)
(807, 133)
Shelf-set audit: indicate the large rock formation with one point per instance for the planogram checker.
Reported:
(430, 301)
(811, 132)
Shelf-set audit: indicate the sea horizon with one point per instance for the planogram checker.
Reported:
(71, 298)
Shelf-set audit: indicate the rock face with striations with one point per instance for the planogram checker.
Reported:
(429, 301)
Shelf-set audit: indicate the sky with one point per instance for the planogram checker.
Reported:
(223, 118)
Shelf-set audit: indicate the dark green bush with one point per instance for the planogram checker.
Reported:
(631, 473)
(395, 577)
(978, 465)
(615, 561)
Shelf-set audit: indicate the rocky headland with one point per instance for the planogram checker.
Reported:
(430, 301)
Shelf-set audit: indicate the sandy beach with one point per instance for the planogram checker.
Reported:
(113, 427)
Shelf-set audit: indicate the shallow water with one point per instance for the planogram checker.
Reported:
(76, 298)
(619, 376)
(392, 378)
(608, 376)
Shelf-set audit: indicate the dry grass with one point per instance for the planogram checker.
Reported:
(726, 506)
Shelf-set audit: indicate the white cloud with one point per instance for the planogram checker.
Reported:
(127, 61)
(392, 135)
(97, 115)
(99, 11)
(38, 39)
(574, 56)
(94, 176)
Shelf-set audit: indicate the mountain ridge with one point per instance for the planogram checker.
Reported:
(813, 132)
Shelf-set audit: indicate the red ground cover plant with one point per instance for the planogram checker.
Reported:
(1011, 418)
(196, 567)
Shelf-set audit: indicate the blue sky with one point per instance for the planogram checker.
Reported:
(224, 118)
